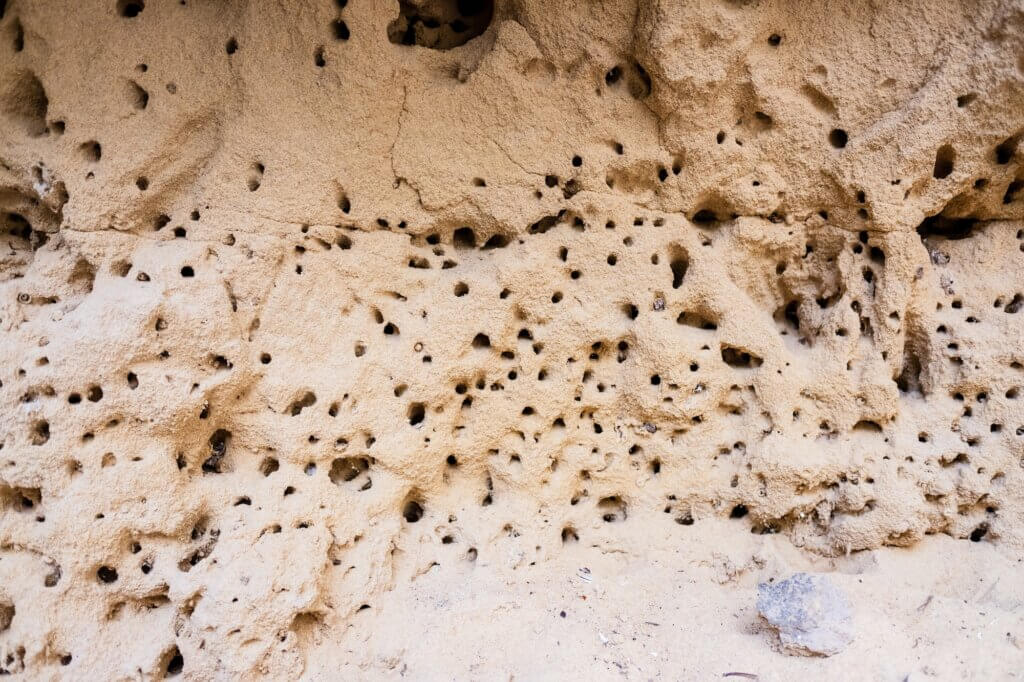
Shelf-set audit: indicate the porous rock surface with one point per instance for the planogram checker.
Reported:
(301, 301)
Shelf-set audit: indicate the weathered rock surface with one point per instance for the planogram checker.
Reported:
(304, 302)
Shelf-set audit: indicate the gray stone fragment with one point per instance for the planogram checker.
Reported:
(812, 615)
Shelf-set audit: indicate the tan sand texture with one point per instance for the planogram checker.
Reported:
(441, 339)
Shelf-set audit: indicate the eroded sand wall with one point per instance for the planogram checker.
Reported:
(299, 299)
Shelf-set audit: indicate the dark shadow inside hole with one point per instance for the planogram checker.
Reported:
(464, 238)
(679, 265)
(130, 8)
(440, 24)
(416, 413)
(175, 664)
(1006, 149)
(704, 216)
(838, 138)
(735, 357)
(496, 241)
(412, 511)
(944, 159)
(948, 228)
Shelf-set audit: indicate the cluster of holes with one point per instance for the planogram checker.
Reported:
(674, 263)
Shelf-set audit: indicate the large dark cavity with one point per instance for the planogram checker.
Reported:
(440, 24)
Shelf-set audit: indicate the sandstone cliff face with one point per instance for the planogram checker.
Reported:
(300, 301)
